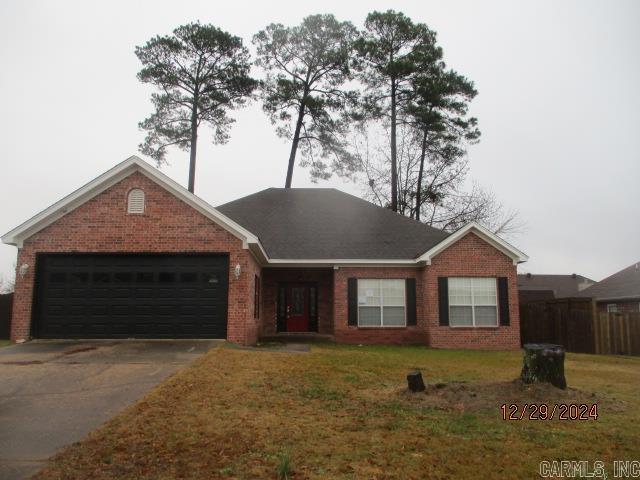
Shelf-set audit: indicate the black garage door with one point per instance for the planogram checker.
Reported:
(145, 296)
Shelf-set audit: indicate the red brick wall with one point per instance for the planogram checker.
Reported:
(321, 276)
(471, 257)
(168, 225)
(390, 335)
(102, 225)
(623, 306)
(246, 299)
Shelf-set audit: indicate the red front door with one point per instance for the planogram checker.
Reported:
(297, 308)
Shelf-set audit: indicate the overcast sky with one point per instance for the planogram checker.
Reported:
(558, 106)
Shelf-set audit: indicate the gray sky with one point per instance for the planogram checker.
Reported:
(558, 108)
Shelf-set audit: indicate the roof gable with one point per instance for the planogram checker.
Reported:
(624, 284)
(107, 180)
(491, 238)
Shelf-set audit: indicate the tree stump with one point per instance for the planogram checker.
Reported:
(415, 382)
(544, 362)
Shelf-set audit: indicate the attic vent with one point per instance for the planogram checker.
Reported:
(135, 202)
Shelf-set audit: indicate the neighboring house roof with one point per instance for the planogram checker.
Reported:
(562, 286)
(622, 285)
(325, 223)
(291, 226)
(526, 296)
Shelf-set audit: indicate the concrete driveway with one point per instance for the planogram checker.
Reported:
(53, 393)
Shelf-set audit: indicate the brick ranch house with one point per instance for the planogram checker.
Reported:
(134, 254)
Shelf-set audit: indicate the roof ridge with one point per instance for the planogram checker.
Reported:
(341, 192)
(404, 217)
(630, 267)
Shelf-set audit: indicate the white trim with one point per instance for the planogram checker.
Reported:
(107, 180)
(491, 238)
(249, 240)
(341, 262)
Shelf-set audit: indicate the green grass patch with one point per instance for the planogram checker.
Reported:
(342, 412)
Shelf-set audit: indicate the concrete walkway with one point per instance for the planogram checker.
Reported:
(54, 393)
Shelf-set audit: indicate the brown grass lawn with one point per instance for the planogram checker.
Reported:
(342, 412)
(5, 343)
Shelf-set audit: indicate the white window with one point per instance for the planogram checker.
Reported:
(473, 302)
(381, 303)
(612, 307)
(135, 201)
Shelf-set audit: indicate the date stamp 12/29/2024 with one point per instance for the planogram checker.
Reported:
(543, 411)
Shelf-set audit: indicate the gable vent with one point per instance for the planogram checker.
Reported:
(135, 202)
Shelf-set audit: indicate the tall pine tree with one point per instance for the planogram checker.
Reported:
(391, 51)
(306, 68)
(201, 73)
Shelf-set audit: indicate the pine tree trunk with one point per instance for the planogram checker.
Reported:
(394, 153)
(544, 362)
(194, 146)
(294, 147)
(420, 173)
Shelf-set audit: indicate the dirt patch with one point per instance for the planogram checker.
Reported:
(475, 397)
(277, 347)
(79, 350)
(26, 362)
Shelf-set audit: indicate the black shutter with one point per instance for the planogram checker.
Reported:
(352, 293)
(503, 300)
(282, 308)
(313, 308)
(411, 301)
(443, 300)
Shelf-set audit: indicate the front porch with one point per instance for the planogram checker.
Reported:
(297, 303)
(297, 337)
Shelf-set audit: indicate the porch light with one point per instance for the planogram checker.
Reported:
(24, 268)
(237, 271)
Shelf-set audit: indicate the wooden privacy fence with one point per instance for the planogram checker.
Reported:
(617, 334)
(6, 304)
(575, 324)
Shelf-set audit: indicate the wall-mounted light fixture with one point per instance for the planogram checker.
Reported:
(24, 268)
(237, 271)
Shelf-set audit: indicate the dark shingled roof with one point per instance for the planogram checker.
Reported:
(562, 286)
(622, 285)
(325, 223)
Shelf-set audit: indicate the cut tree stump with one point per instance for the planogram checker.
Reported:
(415, 382)
(544, 362)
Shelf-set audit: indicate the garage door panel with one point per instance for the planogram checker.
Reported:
(78, 292)
(77, 310)
(130, 295)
